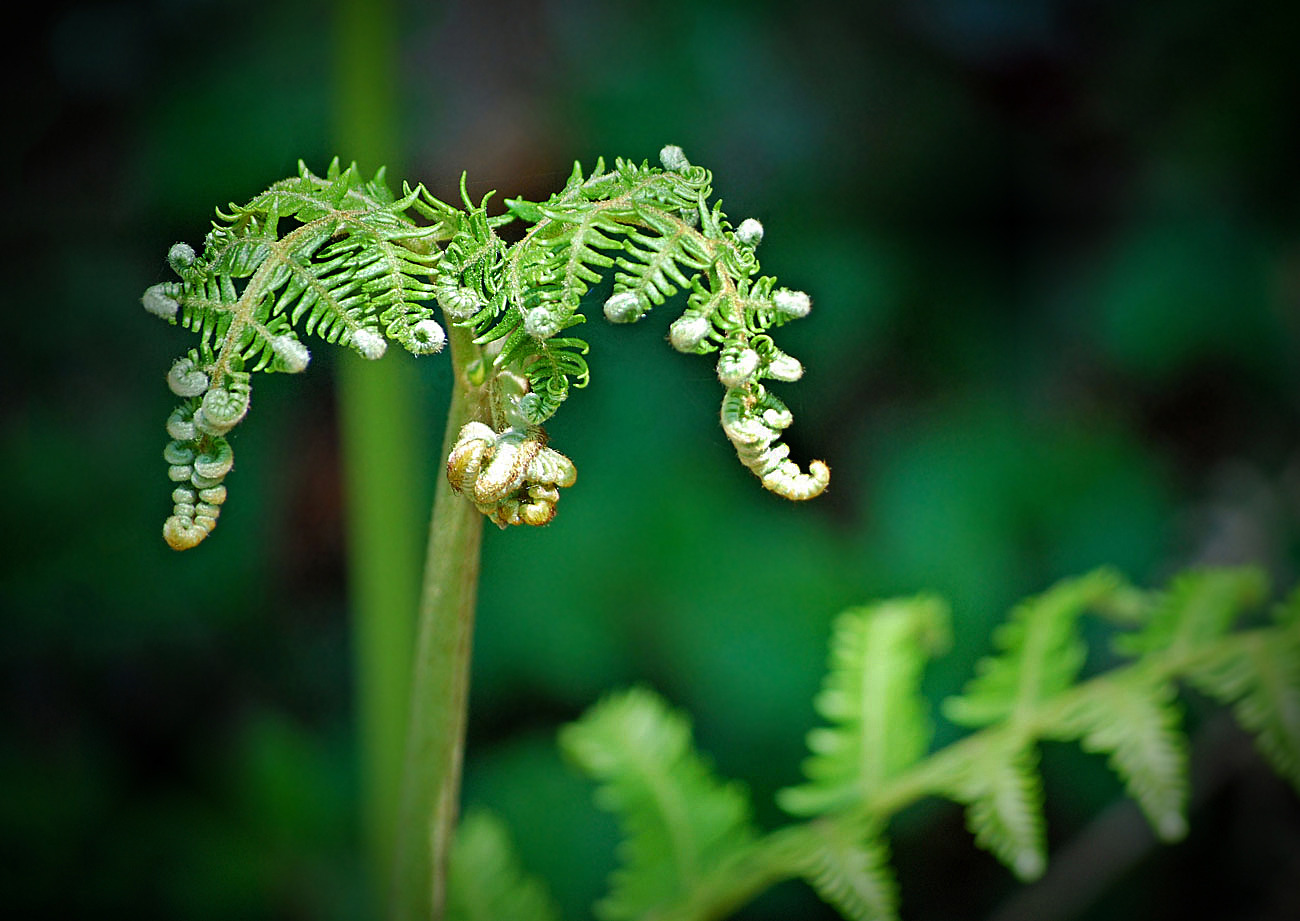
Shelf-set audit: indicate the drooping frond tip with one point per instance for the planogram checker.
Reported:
(655, 228)
(337, 257)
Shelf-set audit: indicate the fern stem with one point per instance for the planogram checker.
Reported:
(440, 680)
(383, 556)
(378, 422)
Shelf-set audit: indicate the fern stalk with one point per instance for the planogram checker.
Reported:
(383, 570)
(440, 680)
(378, 421)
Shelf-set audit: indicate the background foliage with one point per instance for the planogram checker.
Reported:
(1055, 256)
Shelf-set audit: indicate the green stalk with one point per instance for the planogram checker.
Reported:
(440, 686)
(380, 425)
(379, 466)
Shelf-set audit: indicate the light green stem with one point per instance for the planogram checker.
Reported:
(383, 556)
(440, 686)
(380, 426)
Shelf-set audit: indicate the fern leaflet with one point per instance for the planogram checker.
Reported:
(485, 882)
(680, 822)
(1041, 653)
(1134, 719)
(1198, 608)
(1000, 786)
(871, 696)
(1259, 676)
(849, 869)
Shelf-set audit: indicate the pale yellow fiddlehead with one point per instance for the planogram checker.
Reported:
(511, 477)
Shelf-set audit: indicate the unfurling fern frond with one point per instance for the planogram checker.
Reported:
(341, 258)
(338, 257)
(484, 879)
(511, 477)
(680, 822)
(656, 228)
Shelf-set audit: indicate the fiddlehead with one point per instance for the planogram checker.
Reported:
(512, 477)
(343, 259)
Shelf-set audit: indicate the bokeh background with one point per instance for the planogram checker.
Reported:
(1054, 249)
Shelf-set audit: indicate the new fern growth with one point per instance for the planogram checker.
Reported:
(342, 258)
(691, 850)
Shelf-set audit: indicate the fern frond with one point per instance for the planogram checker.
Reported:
(485, 881)
(871, 761)
(342, 258)
(1039, 655)
(871, 697)
(337, 257)
(680, 822)
(849, 869)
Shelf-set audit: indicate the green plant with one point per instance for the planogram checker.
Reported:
(341, 257)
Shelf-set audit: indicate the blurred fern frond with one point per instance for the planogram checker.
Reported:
(680, 823)
(873, 760)
(485, 881)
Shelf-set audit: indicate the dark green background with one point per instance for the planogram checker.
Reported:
(1054, 249)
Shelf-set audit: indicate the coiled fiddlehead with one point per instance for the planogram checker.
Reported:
(341, 258)
(512, 477)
